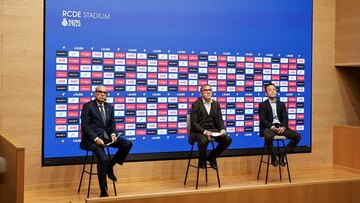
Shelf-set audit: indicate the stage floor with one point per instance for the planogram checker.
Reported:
(67, 192)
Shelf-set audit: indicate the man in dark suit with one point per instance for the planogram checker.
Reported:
(274, 121)
(206, 119)
(98, 127)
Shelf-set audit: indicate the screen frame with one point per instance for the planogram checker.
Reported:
(76, 160)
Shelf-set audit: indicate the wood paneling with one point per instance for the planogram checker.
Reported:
(347, 42)
(12, 181)
(348, 80)
(347, 32)
(322, 92)
(346, 146)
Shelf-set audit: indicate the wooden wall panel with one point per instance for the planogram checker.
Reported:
(347, 43)
(346, 146)
(322, 92)
(12, 181)
(347, 32)
(21, 107)
(350, 95)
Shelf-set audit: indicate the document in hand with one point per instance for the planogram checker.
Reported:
(215, 134)
(108, 144)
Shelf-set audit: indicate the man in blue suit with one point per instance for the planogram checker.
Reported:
(98, 127)
(274, 121)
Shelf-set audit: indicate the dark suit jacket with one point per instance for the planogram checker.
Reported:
(266, 115)
(92, 124)
(197, 118)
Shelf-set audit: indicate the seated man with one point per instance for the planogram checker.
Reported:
(274, 121)
(98, 126)
(206, 118)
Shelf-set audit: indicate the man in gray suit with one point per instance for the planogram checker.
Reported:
(206, 122)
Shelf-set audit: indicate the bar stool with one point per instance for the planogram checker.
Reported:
(91, 173)
(197, 166)
(277, 138)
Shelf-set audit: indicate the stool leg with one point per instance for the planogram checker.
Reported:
(83, 170)
(267, 169)
(108, 151)
(206, 166)
(261, 161)
(197, 175)
(217, 169)
(91, 173)
(287, 164)
(206, 174)
(217, 174)
(188, 165)
(278, 146)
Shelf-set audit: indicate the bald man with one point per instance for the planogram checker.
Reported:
(98, 126)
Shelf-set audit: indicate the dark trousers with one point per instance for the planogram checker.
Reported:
(290, 134)
(202, 140)
(124, 147)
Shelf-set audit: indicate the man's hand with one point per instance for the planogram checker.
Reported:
(281, 130)
(113, 137)
(223, 132)
(207, 133)
(275, 129)
(99, 141)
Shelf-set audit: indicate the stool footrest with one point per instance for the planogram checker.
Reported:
(90, 173)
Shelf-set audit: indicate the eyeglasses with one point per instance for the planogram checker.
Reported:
(206, 90)
(102, 92)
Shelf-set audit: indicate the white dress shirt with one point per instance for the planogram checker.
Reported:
(207, 105)
(274, 110)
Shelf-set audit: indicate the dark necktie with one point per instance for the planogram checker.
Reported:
(106, 136)
(102, 113)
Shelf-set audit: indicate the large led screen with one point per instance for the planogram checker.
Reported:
(153, 55)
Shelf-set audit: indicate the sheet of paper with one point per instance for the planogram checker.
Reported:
(215, 134)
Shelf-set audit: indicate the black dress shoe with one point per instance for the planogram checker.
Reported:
(202, 164)
(104, 194)
(110, 173)
(212, 163)
(274, 160)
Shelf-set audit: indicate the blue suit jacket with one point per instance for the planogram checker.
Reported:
(92, 124)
